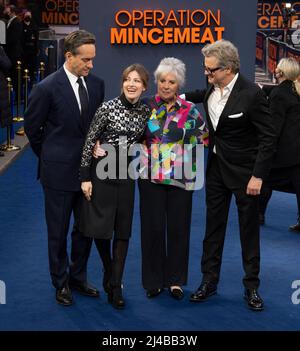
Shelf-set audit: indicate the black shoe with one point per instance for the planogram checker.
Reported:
(254, 301)
(261, 219)
(115, 297)
(176, 292)
(295, 227)
(153, 292)
(205, 290)
(64, 296)
(84, 289)
(1, 154)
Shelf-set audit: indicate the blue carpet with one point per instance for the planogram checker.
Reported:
(30, 303)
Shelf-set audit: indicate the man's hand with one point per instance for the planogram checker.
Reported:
(86, 188)
(254, 186)
(97, 151)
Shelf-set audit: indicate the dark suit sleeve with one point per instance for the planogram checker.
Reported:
(261, 119)
(278, 108)
(5, 63)
(35, 117)
(196, 96)
(15, 34)
(102, 89)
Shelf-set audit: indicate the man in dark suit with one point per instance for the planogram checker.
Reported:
(13, 46)
(57, 119)
(240, 153)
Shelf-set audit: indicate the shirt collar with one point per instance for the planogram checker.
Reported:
(72, 78)
(230, 86)
(160, 101)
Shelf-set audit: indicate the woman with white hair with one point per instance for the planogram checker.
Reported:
(285, 111)
(173, 131)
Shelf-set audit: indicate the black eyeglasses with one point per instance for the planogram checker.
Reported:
(211, 70)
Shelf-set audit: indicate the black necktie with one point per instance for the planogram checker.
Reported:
(84, 100)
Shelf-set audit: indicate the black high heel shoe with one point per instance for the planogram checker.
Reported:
(115, 297)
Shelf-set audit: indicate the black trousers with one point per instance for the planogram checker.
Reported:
(218, 198)
(59, 206)
(165, 232)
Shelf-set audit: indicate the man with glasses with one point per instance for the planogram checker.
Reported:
(240, 153)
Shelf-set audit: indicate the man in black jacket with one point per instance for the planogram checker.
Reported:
(240, 154)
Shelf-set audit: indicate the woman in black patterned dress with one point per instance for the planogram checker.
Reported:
(107, 209)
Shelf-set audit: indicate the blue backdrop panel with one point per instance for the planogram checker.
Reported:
(238, 18)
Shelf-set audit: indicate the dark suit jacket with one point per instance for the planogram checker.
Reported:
(285, 112)
(14, 34)
(5, 113)
(56, 130)
(244, 137)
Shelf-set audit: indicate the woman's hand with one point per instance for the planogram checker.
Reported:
(86, 188)
(98, 151)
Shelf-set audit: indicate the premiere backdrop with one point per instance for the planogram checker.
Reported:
(178, 28)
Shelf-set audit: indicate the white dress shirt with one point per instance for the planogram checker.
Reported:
(217, 101)
(73, 81)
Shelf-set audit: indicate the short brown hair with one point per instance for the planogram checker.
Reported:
(140, 69)
(78, 38)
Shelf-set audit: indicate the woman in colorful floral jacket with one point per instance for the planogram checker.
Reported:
(172, 168)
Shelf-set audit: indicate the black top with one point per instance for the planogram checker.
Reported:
(285, 112)
(113, 120)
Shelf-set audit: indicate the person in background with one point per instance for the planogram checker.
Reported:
(242, 141)
(5, 114)
(107, 209)
(60, 109)
(174, 131)
(284, 102)
(30, 45)
(13, 45)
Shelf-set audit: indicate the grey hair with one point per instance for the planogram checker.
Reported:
(225, 52)
(171, 65)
